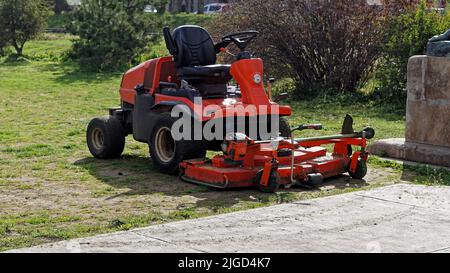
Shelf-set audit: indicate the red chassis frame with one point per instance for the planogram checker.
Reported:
(260, 156)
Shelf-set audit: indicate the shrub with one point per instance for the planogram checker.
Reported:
(112, 33)
(21, 21)
(320, 44)
(409, 34)
(59, 20)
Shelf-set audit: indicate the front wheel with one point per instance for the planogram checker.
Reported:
(273, 185)
(361, 170)
(105, 137)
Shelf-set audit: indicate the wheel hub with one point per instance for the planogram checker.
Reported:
(98, 139)
(165, 145)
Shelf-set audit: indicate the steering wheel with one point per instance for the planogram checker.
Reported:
(241, 39)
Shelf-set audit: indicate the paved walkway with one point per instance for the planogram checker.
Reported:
(399, 218)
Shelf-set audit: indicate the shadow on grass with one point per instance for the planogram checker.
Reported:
(138, 175)
(14, 61)
(70, 72)
(343, 182)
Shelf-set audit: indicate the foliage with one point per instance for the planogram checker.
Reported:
(21, 21)
(112, 34)
(408, 36)
(59, 20)
(319, 46)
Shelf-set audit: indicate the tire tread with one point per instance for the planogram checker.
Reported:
(114, 135)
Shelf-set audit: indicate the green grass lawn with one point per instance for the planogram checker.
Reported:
(52, 189)
(49, 47)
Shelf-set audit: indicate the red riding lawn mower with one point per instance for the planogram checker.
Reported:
(151, 92)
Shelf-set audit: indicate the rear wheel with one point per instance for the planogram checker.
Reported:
(167, 153)
(105, 137)
(361, 170)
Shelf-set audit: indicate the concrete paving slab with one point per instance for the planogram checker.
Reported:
(121, 242)
(416, 231)
(437, 198)
(399, 218)
(292, 227)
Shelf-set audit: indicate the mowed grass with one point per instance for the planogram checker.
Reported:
(52, 189)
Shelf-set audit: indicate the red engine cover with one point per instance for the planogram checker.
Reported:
(148, 73)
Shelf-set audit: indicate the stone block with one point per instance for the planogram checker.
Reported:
(428, 109)
(417, 152)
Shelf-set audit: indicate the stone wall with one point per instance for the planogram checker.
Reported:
(427, 137)
(428, 110)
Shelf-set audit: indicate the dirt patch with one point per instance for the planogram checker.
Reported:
(125, 192)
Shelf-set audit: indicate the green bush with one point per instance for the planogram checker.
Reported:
(320, 46)
(112, 33)
(409, 34)
(21, 21)
(58, 20)
(116, 34)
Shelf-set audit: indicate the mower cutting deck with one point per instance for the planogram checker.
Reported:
(280, 162)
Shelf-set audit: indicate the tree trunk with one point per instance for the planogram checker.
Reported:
(201, 5)
(60, 6)
(19, 49)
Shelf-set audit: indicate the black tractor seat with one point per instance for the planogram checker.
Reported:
(195, 56)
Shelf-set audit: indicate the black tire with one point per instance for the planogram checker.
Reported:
(166, 153)
(105, 137)
(274, 182)
(285, 128)
(361, 170)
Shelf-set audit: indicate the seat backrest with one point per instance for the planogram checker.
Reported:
(195, 47)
